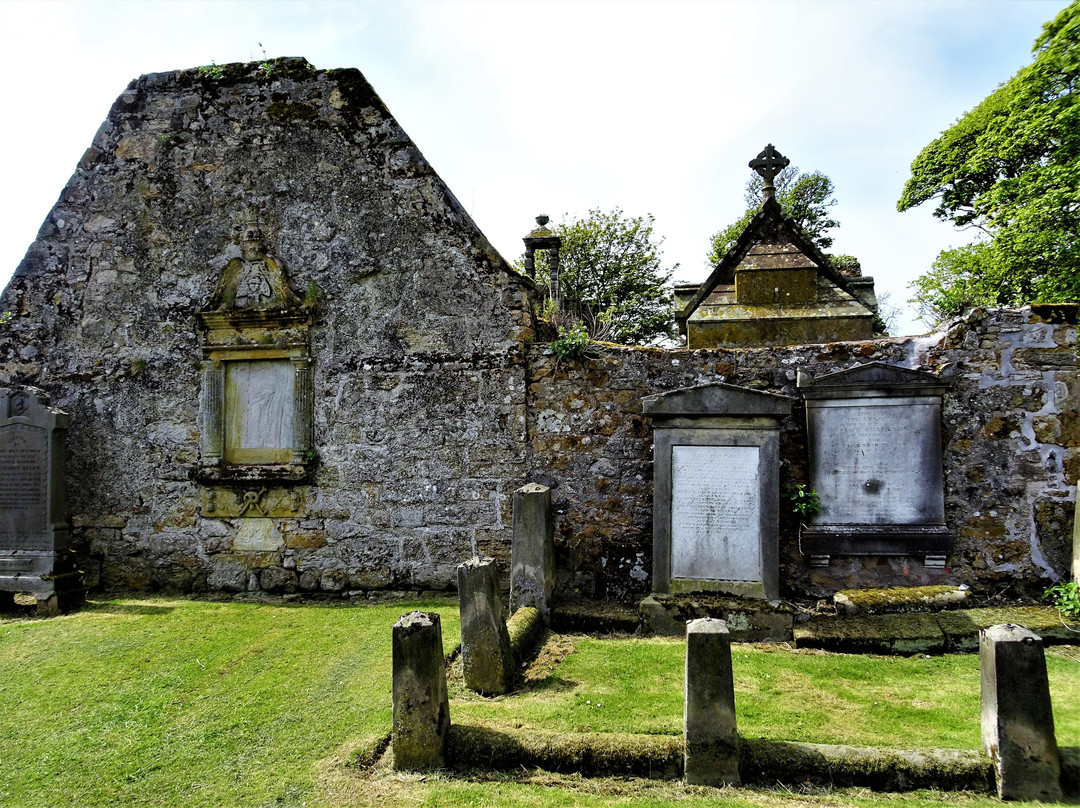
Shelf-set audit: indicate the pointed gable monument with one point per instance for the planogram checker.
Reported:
(774, 286)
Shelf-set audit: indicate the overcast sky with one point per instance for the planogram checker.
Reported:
(559, 107)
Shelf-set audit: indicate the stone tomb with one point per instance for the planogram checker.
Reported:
(716, 490)
(34, 555)
(874, 436)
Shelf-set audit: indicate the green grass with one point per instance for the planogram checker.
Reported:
(636, 685)
(173, 702)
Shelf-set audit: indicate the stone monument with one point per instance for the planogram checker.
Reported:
(874, 434)
(716, 495)
(34, 556)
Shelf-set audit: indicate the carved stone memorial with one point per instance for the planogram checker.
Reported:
(34, 556)
(874, 435)
(716, 491)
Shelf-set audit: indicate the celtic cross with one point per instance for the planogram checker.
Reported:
(768, 164)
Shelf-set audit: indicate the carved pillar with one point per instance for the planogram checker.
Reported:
(303, 401)
(212, 410)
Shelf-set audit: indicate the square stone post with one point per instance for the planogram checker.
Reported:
(1017, 719)
(532, 554)
(712, 740)
(421, 708)
(487, 660)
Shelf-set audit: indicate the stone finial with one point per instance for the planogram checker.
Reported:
(768, 164)
(540, 238)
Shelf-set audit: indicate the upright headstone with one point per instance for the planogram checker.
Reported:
(874, 435)
(487, 659)
(34, 555)
(1017, 718)
(710, 734)
(532, 554)
(716, 471)
(421, 707)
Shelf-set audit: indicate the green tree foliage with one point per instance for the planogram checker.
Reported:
(1010, 167)
(806, 198)
(611, 278)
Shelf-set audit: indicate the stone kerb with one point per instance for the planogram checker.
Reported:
(709, 730)
(532, 554)
(1017, 718)
(487, 659)
(421, 707)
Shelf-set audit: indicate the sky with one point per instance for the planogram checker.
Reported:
(562, 107)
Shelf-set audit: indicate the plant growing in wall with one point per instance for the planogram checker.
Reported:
(804, 500)
(1065, 596)
(571, 344)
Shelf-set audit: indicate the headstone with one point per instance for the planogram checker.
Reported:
(34, 555)
(532, 553)
(421, 707)
(716, 489)
(874, 436)
(487, 660)
(1017, 718)
(710, 733)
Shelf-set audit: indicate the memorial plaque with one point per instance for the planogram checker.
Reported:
(34, 559)
(874, 436)
(716, 489)
(715, 510)
(259, 411)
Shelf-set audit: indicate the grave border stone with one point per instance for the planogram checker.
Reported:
(720, 415)
(44, 568)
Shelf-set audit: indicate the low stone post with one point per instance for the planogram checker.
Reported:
(1017, 719)
(532, 554)
(421, 709)
(712, 741)
(486, 657)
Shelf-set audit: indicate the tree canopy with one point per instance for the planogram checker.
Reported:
(1011, 168)
(611, 277)
(806, 198)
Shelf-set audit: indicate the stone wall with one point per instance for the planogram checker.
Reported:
(1011, 454)
(419, 411)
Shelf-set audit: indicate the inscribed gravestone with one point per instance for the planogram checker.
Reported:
(716, 490)
(875, 461)
(34, 557)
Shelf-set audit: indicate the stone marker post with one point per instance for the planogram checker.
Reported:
(532, 554)
(487, 660)
(1017, 719)
(712, 741)
(421, 709)
(34, 555)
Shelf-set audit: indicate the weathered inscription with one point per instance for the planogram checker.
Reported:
(715, 513)
(24, 488)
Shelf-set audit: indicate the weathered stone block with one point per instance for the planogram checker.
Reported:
(709, 730)
(532, 554)
(487, 661)
(421, 707)
(1017, 718)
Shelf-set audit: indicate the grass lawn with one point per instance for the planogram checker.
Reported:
(175, 702)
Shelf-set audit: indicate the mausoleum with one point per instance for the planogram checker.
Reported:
(289, 361)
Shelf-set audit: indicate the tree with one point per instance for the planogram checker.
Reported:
(806, 198)
(611, 278)
(1011, 168)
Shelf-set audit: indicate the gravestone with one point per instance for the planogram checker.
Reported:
(34, 555)
(487, 662)
(532, 553)
(421, 709)
(709, 726)
(874, 436)
(716, 491)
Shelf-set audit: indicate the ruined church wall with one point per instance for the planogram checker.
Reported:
(418, 411)
(1011, 451)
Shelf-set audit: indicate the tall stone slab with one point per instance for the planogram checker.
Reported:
(487, 660)
(874, 435)
(532, 554)
(1017, 717)
(716, 496)
(421, 706)
(34, 555)
(709, 726)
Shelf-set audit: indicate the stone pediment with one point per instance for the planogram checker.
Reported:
(871, 378)
(716, 398)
